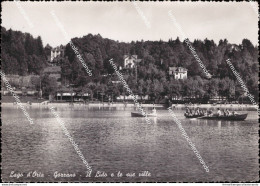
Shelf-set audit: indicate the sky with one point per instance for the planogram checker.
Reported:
(128, 21)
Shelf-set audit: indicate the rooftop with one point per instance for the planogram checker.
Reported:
(179, 69)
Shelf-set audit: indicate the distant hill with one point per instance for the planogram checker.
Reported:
(22, 54)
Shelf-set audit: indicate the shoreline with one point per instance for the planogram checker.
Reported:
(129, 105)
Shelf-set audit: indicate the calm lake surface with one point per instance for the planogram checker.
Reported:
(111, 141)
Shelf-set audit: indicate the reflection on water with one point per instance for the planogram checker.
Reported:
(111, 141)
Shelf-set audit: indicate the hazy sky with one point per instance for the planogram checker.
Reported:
(123, 21)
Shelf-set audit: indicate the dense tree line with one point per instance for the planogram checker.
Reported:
(23, 55)
(157, 57)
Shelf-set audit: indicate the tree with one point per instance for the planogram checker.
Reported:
(49, 85)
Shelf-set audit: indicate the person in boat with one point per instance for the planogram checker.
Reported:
(202, 112)
(192, 112)
(188, 112)
(234, 113)
(227, 112)
(154, 111)
(197, 112)
(219, 113)
(209, 113)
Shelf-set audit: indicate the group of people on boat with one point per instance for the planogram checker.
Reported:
(205, 112)
(194, 112)
(226, 112)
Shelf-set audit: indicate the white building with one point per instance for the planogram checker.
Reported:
(234, 47)
(57, 52)
(178, 72)
(130, 61)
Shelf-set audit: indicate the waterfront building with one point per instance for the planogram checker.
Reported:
(72, 96)
(24, 92)
(178, 72)
(130, 98)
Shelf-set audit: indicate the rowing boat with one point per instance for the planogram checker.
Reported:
(193, 116)
(236, 117)
(137, 114)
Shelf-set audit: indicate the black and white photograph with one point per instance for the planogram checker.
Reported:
(129, 92)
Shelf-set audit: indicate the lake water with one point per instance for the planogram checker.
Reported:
(112, 141)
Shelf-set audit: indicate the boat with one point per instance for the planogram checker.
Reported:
(138, 114)
(193, 116)
(45, 103)
(236, 117)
